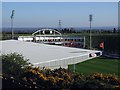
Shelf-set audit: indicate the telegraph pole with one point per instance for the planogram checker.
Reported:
(12, 17)
(74, 68)
(90, 19)
(84, 42)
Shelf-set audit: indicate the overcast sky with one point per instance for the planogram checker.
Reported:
(71, 14)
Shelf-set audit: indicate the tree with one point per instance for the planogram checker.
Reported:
(13, 64)
(114, 30)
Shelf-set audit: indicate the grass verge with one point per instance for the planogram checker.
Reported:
(100, 65)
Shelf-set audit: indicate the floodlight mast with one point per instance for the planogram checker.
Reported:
(90, 18)
(12, 16)
(59, 24)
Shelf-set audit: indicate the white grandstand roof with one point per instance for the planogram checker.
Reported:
(41, 53)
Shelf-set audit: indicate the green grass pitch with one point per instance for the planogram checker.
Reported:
(99, 64)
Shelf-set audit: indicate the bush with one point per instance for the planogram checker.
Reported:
(13, 64)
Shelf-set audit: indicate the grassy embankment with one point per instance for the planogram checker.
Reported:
(100, 65)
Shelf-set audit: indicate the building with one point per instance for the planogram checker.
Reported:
(45, 55)
(51, 36)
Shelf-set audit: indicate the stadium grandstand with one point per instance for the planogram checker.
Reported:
(54, 37)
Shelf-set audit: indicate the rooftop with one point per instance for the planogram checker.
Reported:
(41, 53)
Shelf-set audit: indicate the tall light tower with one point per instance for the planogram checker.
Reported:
(12, 16)
(59, 24)
(90, 19)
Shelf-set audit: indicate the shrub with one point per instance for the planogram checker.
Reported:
(13, 64)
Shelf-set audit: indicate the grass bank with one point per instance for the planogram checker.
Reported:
(100, 65)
